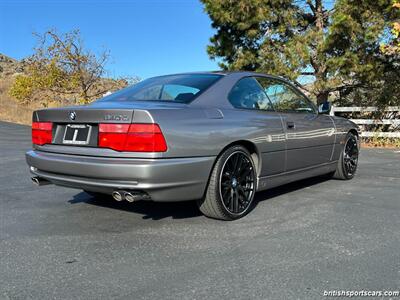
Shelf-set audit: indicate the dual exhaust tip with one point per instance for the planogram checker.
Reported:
(39, 181)
(117, 195)
(128, 196)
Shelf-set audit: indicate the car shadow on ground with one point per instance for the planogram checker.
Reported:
(186, 209)
(290, 187)
(149, 209)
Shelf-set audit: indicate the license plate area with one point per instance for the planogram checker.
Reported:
(77, 134)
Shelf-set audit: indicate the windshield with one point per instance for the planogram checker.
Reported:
(179, 88)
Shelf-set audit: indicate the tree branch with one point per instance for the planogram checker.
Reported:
(311, 5)
(308, 73)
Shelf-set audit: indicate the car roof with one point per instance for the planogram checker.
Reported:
(226, 73)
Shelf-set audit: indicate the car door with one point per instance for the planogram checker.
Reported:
(265, 125)
(309, 135)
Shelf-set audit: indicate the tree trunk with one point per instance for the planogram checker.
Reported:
(322, 97)
(318, 63)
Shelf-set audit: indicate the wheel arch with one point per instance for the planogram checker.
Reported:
(249, 146)
(253, 150)
(354, 131)
(208, 203)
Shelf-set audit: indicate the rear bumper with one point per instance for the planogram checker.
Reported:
(174, 179)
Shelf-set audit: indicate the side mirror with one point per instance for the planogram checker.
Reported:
(324, 108)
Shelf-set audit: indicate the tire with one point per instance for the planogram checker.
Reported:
(343, 169)
(231, 187)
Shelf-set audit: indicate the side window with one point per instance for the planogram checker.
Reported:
(284, 98)
(247, 93)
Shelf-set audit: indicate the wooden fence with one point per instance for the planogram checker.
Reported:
(363, 122)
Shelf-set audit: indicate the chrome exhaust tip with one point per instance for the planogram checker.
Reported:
(129, 197)
(35, 180)
(40, 181)
(117, 196)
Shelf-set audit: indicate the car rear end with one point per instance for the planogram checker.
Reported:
(119, 148)
(112, 151)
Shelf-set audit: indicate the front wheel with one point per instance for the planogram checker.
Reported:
(348, 161)
(231, 186)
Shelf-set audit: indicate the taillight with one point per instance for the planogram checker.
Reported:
(42, 133)
(132, 137)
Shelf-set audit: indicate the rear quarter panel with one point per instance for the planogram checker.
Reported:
(206, 132)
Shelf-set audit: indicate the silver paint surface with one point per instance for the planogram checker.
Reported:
(196, 133)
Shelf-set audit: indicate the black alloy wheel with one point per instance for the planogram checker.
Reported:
(231, 186)
(350, 156)
(237, 183)
(347, 164)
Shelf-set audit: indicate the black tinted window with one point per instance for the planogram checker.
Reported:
(180, 88)
(284, 98)
(247, 93)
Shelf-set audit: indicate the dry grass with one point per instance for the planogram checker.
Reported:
(12, 111)
(380, 142)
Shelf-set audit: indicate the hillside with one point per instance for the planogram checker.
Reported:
(10, 66)
(12, 111)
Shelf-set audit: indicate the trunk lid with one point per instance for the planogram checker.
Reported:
(78, 126)
(105, 112)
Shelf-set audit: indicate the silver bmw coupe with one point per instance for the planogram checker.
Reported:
(216, 137)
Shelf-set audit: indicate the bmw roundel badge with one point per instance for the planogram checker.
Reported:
(72, 115)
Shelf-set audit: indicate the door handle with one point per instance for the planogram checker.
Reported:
(290, 125)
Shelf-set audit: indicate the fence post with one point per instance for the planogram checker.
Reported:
(332, 111)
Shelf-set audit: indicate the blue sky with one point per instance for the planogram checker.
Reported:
(146, 38)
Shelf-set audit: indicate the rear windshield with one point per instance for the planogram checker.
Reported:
(179, 88)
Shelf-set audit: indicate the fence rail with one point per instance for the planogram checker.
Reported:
(362, 109)
(363, 122)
